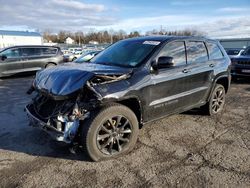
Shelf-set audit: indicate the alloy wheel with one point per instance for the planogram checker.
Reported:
(114, 135)
(218, 100)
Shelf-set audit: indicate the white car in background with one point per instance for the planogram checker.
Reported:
(86, 57)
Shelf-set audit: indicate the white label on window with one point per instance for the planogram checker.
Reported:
(152, 42)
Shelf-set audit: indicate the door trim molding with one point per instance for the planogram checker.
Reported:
(179, 95)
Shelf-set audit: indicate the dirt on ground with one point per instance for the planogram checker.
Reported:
(186, 150)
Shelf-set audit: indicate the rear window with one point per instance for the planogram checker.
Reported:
(49, 51)
(196, 52)
(214, 51)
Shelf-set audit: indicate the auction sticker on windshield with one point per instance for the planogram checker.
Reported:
(152, 42)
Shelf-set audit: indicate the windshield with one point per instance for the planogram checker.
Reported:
(233, 52)
(246, 52)
(128, 53)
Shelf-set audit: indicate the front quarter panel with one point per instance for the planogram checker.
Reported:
(133, 87)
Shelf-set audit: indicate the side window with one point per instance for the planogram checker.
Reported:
(196, 52)
(31, 51)
(176, 50)
(49, 51)
(214, 51)
(11, 53)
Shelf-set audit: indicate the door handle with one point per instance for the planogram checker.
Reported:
(211, 65)
(185, 70)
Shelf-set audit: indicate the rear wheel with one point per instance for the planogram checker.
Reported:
(217, 100)
(110, 133)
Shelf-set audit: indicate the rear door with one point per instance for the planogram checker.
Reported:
(32, 58)
(12, 63)
(199, 72)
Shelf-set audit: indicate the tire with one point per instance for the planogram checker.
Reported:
(74, 59)
(50, 65)
(102, 139)
(216, 102)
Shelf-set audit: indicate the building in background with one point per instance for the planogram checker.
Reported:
(235, 43)
(13, 38)
(69, 40)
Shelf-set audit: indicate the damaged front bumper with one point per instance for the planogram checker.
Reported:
(60, 129)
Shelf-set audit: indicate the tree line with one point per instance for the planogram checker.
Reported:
(110, 36)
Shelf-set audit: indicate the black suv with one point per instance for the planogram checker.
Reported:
(102, 104)
(17, 59)
(241, 64)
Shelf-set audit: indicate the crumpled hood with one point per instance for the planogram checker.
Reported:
(70, 77)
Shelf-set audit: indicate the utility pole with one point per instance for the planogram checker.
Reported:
(111, 38)
(79, 39)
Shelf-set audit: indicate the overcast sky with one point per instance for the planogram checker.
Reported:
(218, 18)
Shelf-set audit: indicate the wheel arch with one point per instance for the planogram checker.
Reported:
(134, 104)
(224, 80)
(50, 63)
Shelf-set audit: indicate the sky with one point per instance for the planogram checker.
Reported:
(216, 18)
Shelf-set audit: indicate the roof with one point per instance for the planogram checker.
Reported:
(29, 46)
(162, 38)
(20, 33)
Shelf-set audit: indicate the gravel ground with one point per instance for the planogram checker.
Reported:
(186, 150)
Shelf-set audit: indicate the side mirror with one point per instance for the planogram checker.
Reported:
(163, 62)
(3, 57)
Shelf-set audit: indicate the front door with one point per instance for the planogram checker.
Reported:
(167, 93)
(10, 62)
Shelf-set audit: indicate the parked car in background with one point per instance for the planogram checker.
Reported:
(17, 59)
(232, 52)
(69, 57)
(86, 57)
(73, 50)
(72, 56)
(241, 64)
(78, 54)
(102, 104)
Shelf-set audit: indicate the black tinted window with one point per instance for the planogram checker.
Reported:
(175, 50)
(247, 51)
(31, 51)
(196, 52)
(233, 52)
(214, 51)
(49, 51)
(11, 53)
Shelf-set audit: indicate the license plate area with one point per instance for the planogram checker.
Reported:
(246, 70)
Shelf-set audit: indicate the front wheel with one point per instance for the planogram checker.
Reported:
(110, 132)
(217, 100)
